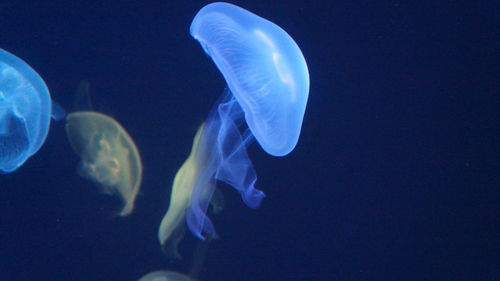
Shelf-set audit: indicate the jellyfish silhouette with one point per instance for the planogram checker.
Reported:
(25, 111)
(265, 99)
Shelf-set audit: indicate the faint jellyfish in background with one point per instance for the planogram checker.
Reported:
(25, 111)
(164, 275)
(194, 171)
(109, 156)
(267, 91)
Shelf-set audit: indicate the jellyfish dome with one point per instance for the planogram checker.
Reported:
(25, 111)
(263, 68)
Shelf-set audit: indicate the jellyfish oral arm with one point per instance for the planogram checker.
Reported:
(236, 168)
(222, 156)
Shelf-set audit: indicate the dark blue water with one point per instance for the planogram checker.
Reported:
(395, 176)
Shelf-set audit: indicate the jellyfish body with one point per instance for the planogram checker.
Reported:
(108, 154)
(25, 111)
(264, 69)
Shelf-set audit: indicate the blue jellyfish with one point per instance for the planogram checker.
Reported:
(25, 111)
(265, 99)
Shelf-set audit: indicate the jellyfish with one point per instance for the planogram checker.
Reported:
(109, 156)
(265, 99)
(25, 112)
(164, 275)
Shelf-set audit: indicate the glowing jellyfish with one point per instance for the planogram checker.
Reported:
(108, 154)
(25, 111)
(163, 275)
(268, 87)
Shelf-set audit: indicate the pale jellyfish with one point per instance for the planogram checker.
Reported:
(109, 156)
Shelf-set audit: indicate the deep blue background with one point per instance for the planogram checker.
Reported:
(395, 177)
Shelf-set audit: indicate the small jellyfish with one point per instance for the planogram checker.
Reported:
(265, 99)
(25, 111)
(164, 275)
(109, 156)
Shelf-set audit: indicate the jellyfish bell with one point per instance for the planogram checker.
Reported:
(25, 111)
(263, 68)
